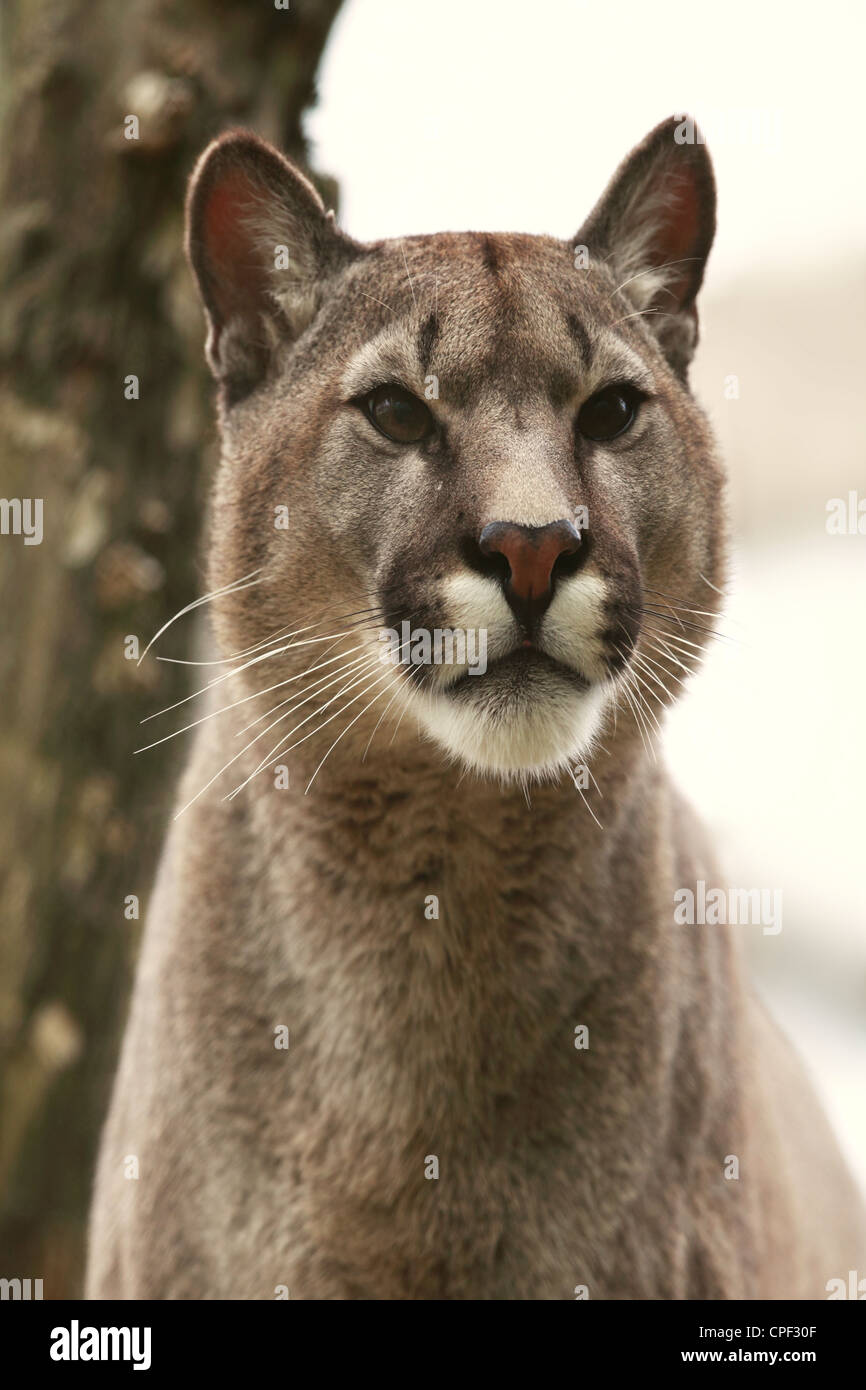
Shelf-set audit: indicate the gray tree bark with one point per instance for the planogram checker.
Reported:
(94, 289)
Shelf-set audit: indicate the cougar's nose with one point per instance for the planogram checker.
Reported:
(525, 560)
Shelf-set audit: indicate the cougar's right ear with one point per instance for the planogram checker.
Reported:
(654, 226)
(262, 247)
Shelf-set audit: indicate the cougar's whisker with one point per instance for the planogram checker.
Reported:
(262, 656)
(324, 682)
(645, 666)
(234, 759)
(279, 748)
(227, 675)
(664, 650)
(245, 699)
(362, 647)
(687, 623)
(642, 691)
(579, 791)
(381, 718)
(352, 722)
(657, 666)
(682, 605)
(712, 586)
(247, 582)
(631, 696)
(698, 648)
(635, 716)
(361, 614)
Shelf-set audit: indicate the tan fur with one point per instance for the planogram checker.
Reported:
(453, 1037)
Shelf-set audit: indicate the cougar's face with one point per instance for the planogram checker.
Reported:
(491, 467)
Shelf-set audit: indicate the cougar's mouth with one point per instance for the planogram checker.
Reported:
(517, 670)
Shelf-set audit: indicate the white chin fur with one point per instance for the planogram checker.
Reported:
(522, 742)
(535, 730)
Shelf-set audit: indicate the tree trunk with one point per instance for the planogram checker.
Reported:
(94, 290)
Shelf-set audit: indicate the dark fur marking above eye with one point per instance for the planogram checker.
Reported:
(427, 337)
(581, 337)
(560, 389)
(491, 255)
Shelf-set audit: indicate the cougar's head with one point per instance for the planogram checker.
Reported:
(483, 445)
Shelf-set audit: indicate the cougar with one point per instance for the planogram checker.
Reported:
(414, 1017)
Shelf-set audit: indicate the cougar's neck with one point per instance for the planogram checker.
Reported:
(401, 865)
(435, 941)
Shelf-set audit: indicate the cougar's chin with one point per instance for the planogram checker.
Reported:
(528, 716)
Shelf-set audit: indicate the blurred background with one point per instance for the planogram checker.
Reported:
(469, 113)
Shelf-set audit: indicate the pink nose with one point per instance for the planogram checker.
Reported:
(531, 553)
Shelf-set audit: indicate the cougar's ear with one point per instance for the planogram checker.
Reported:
(262, 248)
(654, 227)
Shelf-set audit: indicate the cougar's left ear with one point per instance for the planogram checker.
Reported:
(654, 227)
(262, 248)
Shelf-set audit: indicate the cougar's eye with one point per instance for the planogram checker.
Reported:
(398, 414)
(609, 412)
